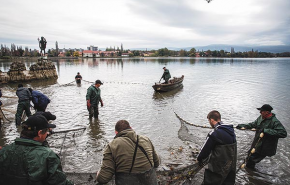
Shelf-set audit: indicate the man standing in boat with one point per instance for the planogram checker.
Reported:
(221, 146)
(93, 98)
(166, 75)
(272, 128)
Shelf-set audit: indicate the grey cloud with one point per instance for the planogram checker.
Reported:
(178, 14)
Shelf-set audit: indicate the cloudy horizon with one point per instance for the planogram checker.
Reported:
(144, 24)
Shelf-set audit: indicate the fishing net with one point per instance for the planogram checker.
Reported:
(83, 178)
(183, 176)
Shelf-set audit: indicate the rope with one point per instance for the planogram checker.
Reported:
(202, 126)
(9, 97)
(134, 83)
(14, 112)
(66, 83)
(4, 115)
(87, 81)
(252, 151)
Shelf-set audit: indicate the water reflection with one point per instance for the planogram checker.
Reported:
(94, 129)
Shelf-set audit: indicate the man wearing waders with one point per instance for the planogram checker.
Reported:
(272, 128)
(93, 98)
(24, 97)
(130, 157)
(221, 146)
(166, 75)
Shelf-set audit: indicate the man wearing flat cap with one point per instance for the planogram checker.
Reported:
(27, 161)
(166, 75)
(93, 98)
(272, 128)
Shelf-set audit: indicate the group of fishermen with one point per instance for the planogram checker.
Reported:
(131, 158)
(25, 95)
(221, 146)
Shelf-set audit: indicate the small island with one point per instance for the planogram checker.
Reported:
(43, 69)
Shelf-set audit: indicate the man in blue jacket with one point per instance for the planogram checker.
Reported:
(24, 97)
(221, 144)
(39, 100)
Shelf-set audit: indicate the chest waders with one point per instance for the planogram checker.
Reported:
(222, 165)
(145, 178)
(94, 109)
(252, 150)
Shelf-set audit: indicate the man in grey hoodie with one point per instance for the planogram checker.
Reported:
(24, 97)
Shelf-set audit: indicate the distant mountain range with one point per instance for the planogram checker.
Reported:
(237, 48)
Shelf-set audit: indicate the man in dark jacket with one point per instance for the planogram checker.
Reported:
(221, 144)
(24, 97)
(39, 100)
(166, 75)
(27, 161)
(93, 98)
(78, 78)
(130, 157)
(272, 128)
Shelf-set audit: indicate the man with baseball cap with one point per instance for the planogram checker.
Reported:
(272, 128)
(27, 161)
(93, 98)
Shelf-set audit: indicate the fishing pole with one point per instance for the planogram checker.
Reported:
(65, 131)
(160, 79)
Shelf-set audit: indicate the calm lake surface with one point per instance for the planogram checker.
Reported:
(234, 87)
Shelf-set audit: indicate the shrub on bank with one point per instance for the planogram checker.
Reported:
(5, 57)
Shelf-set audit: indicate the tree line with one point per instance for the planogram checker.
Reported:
(18, 51)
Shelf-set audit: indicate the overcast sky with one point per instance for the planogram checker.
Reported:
(144, 23)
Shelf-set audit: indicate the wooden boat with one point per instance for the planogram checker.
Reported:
(172, 84)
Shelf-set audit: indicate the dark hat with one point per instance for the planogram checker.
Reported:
(37, 122)
(164, 67)
(98, 82)
(266, 107)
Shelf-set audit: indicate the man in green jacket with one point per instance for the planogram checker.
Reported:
(166, 75)
(93, 98)
(27, 161)
(130, 157)
(272, 128)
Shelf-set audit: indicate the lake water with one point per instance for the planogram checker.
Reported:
(234, 87)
